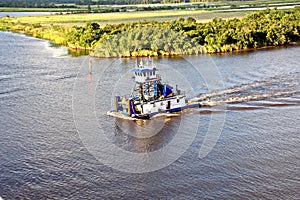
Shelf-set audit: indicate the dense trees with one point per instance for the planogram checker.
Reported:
(84, 37)
(147, 41)
(258, 29)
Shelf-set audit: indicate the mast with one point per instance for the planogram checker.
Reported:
(145, 80)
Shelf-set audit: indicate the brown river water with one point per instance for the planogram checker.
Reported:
(58, 143)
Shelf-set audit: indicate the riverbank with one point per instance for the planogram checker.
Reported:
(128, 37)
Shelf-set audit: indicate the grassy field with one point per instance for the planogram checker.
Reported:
(113, 18)
(202, 15)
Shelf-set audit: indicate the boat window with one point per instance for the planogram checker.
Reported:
(177, 100)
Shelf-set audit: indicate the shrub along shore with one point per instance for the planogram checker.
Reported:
(182, 36)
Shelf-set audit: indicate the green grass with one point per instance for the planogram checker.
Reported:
(113, 18)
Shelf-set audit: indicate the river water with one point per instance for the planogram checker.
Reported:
(57, 142)
(20, 14)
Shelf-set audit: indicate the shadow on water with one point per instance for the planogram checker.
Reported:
(78, 52)
(152, 134)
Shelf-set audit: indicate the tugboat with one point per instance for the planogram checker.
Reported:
(150, 96)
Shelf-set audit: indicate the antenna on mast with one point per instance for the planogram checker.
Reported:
(136, 62)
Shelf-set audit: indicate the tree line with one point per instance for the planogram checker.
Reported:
(182, 36)
(258, 29)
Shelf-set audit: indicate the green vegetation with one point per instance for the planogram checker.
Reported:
(144, 41)
(257, 29)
